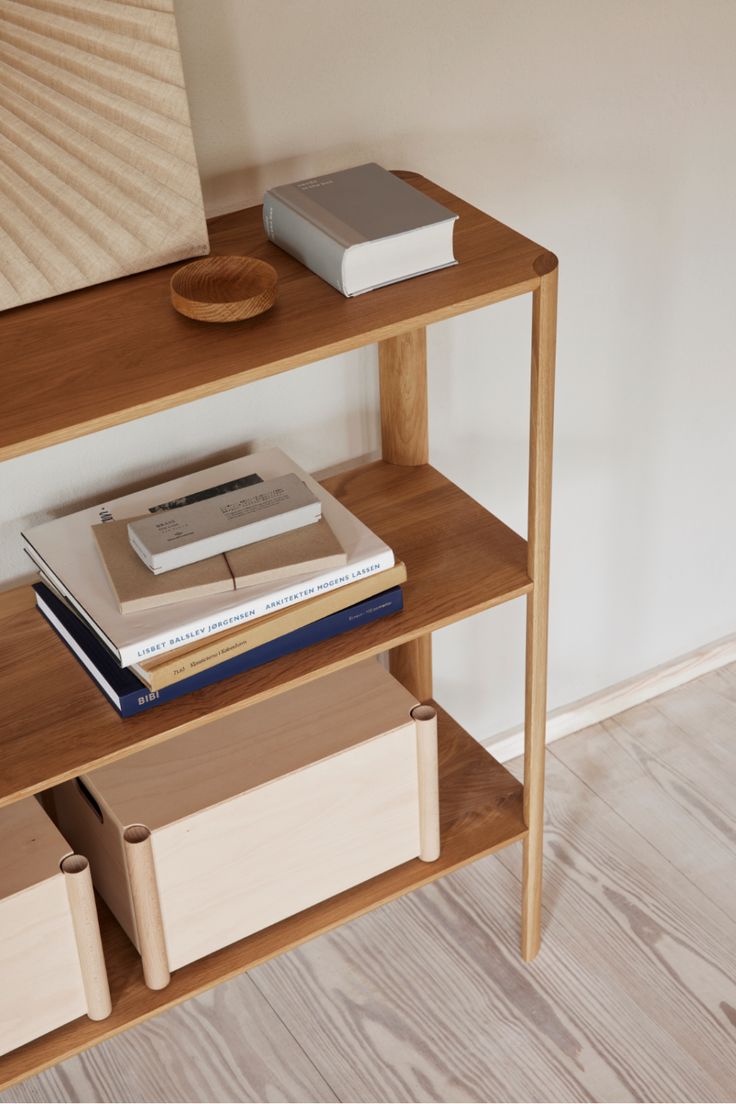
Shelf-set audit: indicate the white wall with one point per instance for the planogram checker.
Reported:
(604, 130)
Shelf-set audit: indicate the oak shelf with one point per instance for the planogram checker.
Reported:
(108, 354)
(57, 724)
(481, 811)
(117, 351)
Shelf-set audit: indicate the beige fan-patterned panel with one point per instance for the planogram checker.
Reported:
(98, 176)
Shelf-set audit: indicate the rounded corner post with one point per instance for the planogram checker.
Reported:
(146, 905)
(425, 719)
(81, 897)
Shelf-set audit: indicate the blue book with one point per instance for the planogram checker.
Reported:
(130, 696)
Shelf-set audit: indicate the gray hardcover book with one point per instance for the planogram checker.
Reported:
(194, 532)
(360, 228)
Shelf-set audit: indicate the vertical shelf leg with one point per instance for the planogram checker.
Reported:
(544, 324)
(411, 665)
(402, 365)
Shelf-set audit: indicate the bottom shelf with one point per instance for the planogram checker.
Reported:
(481, 811)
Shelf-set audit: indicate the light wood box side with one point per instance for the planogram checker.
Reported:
(40, 978)
(31, 847)
(276, 850)
(262, 743)
(101, 842)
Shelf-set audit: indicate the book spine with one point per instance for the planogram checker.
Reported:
(310, 245)
(52, 578)
(336, 624)
(251, 608)
(190, 661)
(138, 699)
(248, 610)
(139, 548)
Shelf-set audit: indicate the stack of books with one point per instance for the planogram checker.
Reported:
(148, 632)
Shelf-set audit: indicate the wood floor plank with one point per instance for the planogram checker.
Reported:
(225, 1045)
(665, 729)
(722, 681)
(702, 711)
(428, 999)
(633, 915)
(667, 798)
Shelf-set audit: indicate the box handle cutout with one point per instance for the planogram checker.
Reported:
(94, 806)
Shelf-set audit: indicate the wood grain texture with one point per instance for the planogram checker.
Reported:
(277, 850)
(544, 337)
(426, 999)
(670, 797)
(411, 665)
(143, 881)
(99, 177)
(588, 1029)
(31, 847)
(425, 719)
(480, 812)
(41, 982)
(228, 1045)
(255, 817)
(429, 1000)
(243, 751)
(224, 289)
(673, 950)
(81, 896)
(630, 998)
(402, 372)
(57, 724)
(145, 357)
(402, 367)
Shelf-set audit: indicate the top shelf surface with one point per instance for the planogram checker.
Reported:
(94, 358)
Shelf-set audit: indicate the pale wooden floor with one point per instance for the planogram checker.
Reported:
(633, 996)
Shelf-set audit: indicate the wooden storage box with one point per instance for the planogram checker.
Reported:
(51, 965)
(223, 830)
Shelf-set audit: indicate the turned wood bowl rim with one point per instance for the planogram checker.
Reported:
(205, 269)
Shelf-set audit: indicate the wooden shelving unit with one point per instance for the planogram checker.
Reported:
(75, 364)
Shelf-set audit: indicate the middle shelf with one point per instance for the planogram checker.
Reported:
(460, 558)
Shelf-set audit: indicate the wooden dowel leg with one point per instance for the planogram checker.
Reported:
(78, 880)
(146, 906)
(411, 665)
(425, 719)
(402, 365)
(544, 316)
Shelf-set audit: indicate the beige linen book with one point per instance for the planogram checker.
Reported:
(310, 549)
(189, 660)
(137, 588)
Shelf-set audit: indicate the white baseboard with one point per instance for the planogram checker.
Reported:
(598, 707)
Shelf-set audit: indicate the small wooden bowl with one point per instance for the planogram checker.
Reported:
(224, 289)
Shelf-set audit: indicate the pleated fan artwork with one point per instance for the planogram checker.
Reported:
(98, 174)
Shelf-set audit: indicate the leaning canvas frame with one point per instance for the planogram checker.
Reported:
(98, 175)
